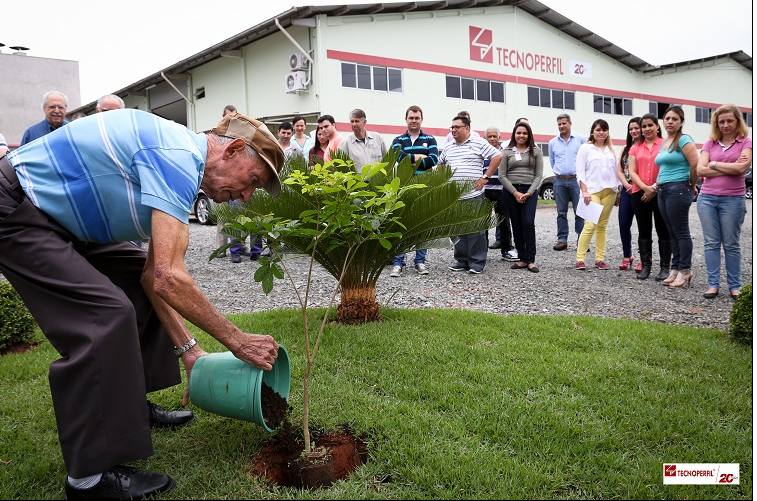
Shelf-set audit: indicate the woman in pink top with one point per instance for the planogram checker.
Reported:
(725, 158)
(643, 173)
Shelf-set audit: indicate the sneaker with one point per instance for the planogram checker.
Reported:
(559, 246)
(601, 265)
(474, 271)
(511, 255)
(421, 269)
(458, 267)
(580, 265)
(236, 258)
(396, 271)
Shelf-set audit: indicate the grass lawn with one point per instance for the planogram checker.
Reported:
(456, 405)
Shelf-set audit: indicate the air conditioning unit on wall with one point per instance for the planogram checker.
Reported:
(298, 61)
(296, 80)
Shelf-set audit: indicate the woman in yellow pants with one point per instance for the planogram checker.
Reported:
(596, 171)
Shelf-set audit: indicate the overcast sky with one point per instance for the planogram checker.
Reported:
(119, 43)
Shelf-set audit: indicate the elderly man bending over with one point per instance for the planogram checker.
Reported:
(114, 312)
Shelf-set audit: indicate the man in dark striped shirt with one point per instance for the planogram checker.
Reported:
(424, 155)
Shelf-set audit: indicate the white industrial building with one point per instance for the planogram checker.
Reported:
(24, 79)
(498, 59)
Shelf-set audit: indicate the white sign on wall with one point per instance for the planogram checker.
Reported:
(579, 69)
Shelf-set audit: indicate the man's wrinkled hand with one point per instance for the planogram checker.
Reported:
(189, 358)
(258, 349)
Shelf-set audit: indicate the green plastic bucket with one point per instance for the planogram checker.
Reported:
(222, 384)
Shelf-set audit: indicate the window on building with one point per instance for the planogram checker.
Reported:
(544, 150)
(747, 118)
(659, 109)
(363, 76)
(475, 90)
(551, 98)
(704, 114)
(613, 105)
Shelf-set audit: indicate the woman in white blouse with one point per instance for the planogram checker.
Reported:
(596, 172)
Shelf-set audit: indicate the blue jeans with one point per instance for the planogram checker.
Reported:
(420, 258)
(674, 200)
(566, 190)
(721, 218)
(625, 221)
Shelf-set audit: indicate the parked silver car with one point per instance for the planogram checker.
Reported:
(201, 208)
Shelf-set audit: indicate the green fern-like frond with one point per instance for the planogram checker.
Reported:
(431, 214)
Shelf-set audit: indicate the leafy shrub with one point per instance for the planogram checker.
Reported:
(741, 316)
(16, 323)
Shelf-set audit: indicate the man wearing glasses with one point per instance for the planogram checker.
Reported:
(54, 104)
(109, 102)
(466, 156)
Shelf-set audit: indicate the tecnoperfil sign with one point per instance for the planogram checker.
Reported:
(482, 49)
(700, 473)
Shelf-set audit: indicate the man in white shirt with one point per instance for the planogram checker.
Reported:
(473, 133)
(285, 140)
(466, 156)
(363, 147)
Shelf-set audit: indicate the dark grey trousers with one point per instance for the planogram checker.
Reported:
(89, 303)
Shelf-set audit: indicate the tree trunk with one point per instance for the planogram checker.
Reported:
(358, 304)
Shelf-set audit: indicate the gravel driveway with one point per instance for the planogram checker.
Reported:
(558, 290)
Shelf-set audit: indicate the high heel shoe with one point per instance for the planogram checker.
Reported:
(711, 293)
(683, 279)
(671, 278)
(626, 263)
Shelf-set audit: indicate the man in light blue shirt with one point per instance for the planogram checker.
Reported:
(562, 155)
(117, 314)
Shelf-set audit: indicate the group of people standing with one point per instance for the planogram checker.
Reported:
(655, 181)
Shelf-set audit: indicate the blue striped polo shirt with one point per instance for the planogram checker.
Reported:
(100, 176)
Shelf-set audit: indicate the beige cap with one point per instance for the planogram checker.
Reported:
(259, 138)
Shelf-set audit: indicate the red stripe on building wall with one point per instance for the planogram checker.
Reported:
(486, 75)
(413, 65)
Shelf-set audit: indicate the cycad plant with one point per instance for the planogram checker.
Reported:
(354, 224)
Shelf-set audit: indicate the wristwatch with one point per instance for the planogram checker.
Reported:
(486, 177)
(190, 343)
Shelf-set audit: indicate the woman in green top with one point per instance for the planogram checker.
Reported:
(676, 184)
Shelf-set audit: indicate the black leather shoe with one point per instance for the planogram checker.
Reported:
(123, 482)
(161, 418)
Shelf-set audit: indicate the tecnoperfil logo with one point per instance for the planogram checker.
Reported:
(481, 41)
(700, 473)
